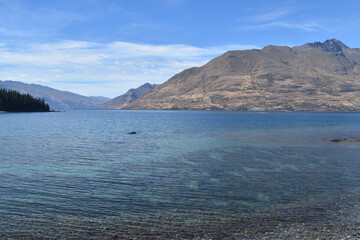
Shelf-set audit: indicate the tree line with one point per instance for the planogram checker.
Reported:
(13, 101)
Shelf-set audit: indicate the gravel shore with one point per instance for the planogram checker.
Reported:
(332, 218)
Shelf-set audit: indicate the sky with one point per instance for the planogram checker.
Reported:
(105, 47)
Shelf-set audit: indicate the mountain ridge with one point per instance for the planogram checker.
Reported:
(312, 77)
(128, 97)
(57, 99)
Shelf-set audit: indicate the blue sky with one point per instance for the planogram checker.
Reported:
(105, 47)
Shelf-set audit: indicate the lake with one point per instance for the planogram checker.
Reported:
(185, 174)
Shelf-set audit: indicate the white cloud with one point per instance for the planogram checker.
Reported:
(143, 50)
(280, 18)
(65, 45)
(115, 67)
(270, 16)
(304, 26)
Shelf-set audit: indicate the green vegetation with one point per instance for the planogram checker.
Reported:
(13, 101)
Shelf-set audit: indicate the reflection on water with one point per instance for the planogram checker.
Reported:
(78, 173)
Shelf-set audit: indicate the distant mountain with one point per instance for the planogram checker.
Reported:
(57, 100)
(320, 76)
(100, 98)
(130, 96)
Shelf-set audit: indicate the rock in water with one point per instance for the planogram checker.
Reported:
(353, 140)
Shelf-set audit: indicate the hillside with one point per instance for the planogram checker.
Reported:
(312, 77)
(130, 96)
(57, 100)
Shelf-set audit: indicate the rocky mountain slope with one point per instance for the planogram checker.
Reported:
(312, 77)
(130, 96)
(57, 100)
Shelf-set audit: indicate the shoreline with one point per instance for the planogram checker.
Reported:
(27, 112)
(335, 218)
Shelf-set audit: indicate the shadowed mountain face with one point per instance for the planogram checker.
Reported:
(130, 96)
(57, 100)
(313, 77)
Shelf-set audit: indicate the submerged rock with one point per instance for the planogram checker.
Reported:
(346, 140)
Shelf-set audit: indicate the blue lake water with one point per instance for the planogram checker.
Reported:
(79, 174)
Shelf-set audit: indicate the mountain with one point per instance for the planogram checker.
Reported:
(130, 96)
(57, 100)
(320, 76)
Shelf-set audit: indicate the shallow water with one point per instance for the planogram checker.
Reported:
(78, 173)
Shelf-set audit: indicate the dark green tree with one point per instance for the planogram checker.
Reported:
(13, 101)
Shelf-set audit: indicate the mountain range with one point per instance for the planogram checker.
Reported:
(130, 96)
(57, 100)
(319, 76)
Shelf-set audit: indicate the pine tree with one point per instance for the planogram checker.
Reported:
(13, 101)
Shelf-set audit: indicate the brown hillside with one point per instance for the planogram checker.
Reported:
(313, 77)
